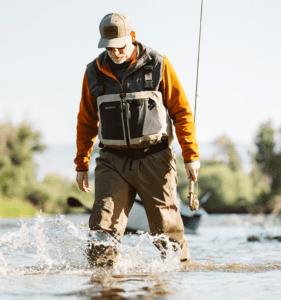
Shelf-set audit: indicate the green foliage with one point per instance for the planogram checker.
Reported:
(18, 145)
(267, 159)
(226, 152)
(51, 194)
(230, 190)
(265, 147)
(261, 183)
(15, 207)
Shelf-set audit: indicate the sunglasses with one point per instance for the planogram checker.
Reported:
(113, 48)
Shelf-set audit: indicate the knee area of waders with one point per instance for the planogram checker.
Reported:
(101, 250)
(169, 224)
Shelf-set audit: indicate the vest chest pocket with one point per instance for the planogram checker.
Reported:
(111, 125)
(136, 116)
(145, 117)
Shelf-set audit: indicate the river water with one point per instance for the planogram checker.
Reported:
(42, 258)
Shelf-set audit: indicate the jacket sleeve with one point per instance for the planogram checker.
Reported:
(180, 112)
(87, 128)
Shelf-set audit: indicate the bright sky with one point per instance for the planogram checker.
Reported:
(45, 46)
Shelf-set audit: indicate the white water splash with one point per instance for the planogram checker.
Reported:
(44, 243)
(53, 244)
(139, 253)
(3, 265)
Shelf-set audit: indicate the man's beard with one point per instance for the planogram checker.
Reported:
(126, 55)
(117, 61)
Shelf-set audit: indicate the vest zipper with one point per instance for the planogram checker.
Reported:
(125, 117)
(124, 107)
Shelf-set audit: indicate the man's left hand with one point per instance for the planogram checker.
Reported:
(192, 169)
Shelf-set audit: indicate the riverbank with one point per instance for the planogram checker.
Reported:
(15, 207)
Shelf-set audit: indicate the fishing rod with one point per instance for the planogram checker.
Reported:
(192, 197)
(198, 61)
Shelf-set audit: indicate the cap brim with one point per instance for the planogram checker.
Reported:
(113, 43)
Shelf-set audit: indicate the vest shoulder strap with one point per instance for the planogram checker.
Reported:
(148, 78)
(95, 80)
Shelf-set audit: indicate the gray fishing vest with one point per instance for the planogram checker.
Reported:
(131, 113)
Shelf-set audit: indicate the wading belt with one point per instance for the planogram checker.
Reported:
(138, 153)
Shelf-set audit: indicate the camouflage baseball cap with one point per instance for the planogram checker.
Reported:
(115, 31)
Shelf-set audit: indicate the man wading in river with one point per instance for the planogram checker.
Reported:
(131, 98)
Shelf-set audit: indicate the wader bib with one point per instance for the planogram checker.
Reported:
(132, 119)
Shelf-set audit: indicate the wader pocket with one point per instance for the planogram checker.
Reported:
(111, 127)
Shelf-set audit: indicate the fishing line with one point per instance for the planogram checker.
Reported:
(198, 62)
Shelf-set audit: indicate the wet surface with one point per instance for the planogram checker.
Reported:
(43, 257)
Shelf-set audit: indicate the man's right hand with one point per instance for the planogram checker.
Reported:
(82, 181)
(192, 169)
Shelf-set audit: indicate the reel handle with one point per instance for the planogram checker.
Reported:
(192, 197)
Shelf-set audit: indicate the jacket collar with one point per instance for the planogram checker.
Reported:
(143, 56)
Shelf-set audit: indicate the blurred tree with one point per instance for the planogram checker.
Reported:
(265, 147)
(222, 175)
(18, 182)
(268, 161)
(50, 195)
(18, 144)
(231, 191)
(227, 152)
(261, 183)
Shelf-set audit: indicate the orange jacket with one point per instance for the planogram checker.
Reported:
(174, 99)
